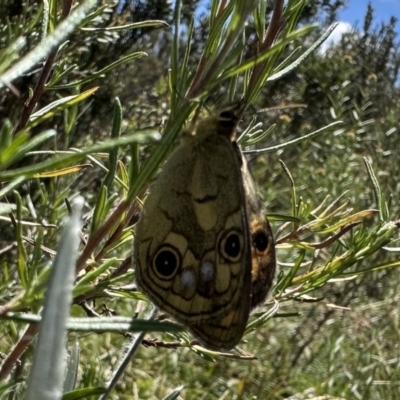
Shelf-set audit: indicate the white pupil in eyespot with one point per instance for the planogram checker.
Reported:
(207, 271)
(187, 279)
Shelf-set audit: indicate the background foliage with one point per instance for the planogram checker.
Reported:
(334, 206)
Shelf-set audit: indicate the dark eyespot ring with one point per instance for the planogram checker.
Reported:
(231, 245)
(166, 262)
(260, 241)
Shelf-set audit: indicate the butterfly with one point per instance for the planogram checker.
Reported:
(203, 246)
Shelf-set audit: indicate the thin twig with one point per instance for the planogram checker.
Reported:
(18, 350)
(99, 235)
(276, 24)
(43, 78)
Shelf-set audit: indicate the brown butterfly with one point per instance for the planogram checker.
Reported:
(204, 249)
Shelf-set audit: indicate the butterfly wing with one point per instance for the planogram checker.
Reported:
(192, 243)
(227, 331)
(262, 241)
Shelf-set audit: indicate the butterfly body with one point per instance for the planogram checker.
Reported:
(193, 244)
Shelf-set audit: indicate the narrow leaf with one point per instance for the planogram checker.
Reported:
(48, 367)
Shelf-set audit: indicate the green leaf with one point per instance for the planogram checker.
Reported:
(99, 74)
(57, 106)
(19, 148)
(47, 372)
(64, 160)
(83, 393)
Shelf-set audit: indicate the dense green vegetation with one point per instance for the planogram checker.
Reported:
(97, 114)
